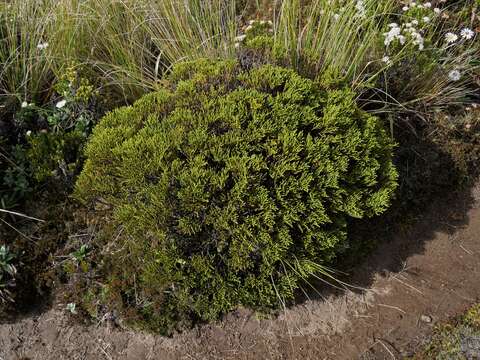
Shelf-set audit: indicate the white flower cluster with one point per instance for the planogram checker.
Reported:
(427, 5)
(251, 24)
(360, 6)
(394, 33)
(413, 4)
(418, 39)
(240, 38)
(411, 30)
(399, 33)
(42, 46)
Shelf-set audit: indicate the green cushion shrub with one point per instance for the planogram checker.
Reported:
(229, 185)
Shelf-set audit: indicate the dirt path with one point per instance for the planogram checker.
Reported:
(426, 275)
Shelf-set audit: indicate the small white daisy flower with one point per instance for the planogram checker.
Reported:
(405, 8)
(336, 16)
(427, 5)
(451, 37)
(24, 104)
(467, 33)
(42, 46)
(29, 133)
(437, 11)
(426, 19)
(61, 104)
(454, 75)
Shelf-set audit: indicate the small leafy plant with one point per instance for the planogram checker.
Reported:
(81, 253)
(46, 141)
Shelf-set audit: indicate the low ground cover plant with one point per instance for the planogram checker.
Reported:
(457, 339)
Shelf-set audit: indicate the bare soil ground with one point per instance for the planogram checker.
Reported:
(426, 274)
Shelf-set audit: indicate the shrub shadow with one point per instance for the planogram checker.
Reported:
(434, 195)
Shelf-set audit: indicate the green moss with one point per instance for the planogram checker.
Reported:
(228, 185)
(472, 317)
(458, 339)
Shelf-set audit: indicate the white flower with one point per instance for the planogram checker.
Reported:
(29, 132)
(42, 46)
(240, 38)
(393, 25)
(386, 60)
(454, 75)
(405, 8)
(426, 19)
(61, 104)
(418, 40)
(391, 35)
(467, 33)
(451, 37)
(437, 11)
(360, 8)
(427, 5)
(415, 22)
(402, 39)
(24, 104)
(336, 16)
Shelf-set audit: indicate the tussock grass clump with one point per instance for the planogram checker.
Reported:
(230, 186)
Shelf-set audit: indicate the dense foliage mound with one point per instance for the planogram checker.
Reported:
(230, 186)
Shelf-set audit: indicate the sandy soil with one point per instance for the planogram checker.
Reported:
(426, 274)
